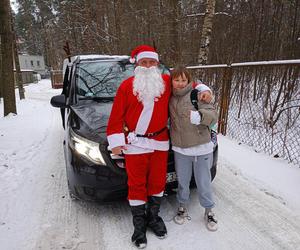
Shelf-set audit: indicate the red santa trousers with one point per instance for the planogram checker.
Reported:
(146, 174)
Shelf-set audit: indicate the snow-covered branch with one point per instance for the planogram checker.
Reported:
(203, 14)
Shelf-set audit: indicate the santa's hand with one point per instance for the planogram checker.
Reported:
(205, 96)
(118, 150)
(131, 137)
(195, 117)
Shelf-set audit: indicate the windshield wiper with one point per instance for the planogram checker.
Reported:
(97, 98)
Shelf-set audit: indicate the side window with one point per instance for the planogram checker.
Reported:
(38, 63)
(31, 62)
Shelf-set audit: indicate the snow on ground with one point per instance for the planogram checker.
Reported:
(272, 175)
(24, 149)
(258, 199)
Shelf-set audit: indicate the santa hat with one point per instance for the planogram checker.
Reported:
(143, 51)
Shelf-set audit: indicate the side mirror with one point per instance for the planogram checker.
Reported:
(59, 101)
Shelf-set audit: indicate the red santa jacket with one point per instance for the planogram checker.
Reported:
(139, 119)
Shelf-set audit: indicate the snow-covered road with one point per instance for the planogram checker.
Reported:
(249, 219)
(37, 213)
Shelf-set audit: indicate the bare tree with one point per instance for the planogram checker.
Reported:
(17, 65)
(1, 81)
(206, 31)
(232, 31)
(7, 58)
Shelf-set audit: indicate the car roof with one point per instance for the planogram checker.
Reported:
(101, 57)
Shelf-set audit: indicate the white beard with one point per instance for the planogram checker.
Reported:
(148, 84)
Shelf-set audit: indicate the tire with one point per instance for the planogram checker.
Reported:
(72, 195)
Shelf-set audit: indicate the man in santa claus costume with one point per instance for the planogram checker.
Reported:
(137, 127)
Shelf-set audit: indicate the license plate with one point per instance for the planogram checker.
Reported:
(171, 177)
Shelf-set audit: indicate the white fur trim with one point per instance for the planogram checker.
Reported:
(145, 145)
(116, 140)
(202, 87)
(145, 118)
(131, 149)
(147, 54)
(159, 195)
(132, 60)
(136, 202)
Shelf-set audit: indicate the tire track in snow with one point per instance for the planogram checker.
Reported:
(65, 224)
(24, 207)
(262, 220)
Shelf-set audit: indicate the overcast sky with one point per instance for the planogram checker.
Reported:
(14, 5)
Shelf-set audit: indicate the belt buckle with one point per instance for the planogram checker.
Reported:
(150, 134)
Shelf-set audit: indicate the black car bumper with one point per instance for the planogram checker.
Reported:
(87, 181)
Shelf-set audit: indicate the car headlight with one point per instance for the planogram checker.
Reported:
(86, 148)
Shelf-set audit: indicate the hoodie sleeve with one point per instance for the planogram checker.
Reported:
(209, 114)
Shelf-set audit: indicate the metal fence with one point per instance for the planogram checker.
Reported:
(258, 103)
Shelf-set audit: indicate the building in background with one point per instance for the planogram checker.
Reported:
(35, 63)
(33, 68)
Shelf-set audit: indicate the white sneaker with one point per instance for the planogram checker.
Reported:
(181, 216)
(211, 221)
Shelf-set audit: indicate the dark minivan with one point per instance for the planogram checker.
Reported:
(89, 86)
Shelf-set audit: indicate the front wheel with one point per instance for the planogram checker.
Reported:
(73, 196)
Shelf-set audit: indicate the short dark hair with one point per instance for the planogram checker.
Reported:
(180, 71)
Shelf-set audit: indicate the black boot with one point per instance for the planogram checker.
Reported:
(155, 222)
(140, 226)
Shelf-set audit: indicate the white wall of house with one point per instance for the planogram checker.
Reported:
(33, 62)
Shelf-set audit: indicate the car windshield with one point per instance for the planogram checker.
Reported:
(101, 79)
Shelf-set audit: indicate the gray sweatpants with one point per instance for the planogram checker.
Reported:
(201, 165)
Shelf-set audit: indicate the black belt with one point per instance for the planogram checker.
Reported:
(152, 134)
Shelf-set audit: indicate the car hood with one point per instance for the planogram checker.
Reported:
(91, 118)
